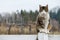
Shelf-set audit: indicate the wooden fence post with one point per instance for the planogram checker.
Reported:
(42, 36)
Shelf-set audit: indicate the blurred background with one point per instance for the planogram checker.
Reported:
(21, 14)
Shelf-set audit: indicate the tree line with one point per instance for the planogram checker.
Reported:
(55, 15)
(24, 17)
(19, 17)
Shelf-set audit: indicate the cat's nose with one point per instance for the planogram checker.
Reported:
(43, 14)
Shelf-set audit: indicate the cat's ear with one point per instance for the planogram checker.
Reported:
(46, 8)
(40, 8)
(47, 5)
(39, 5)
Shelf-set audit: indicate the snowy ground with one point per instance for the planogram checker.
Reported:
(27, 37)
(18, 37)
(54, 37)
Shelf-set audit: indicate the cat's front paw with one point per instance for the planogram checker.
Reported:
(46, 31)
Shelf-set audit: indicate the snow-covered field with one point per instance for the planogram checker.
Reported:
(27, 37)
(54, 37)
(18, 37)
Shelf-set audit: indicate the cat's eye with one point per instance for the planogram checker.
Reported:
(43, 7)
(46, 9)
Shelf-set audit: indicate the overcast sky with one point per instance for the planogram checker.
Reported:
(13, 5)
